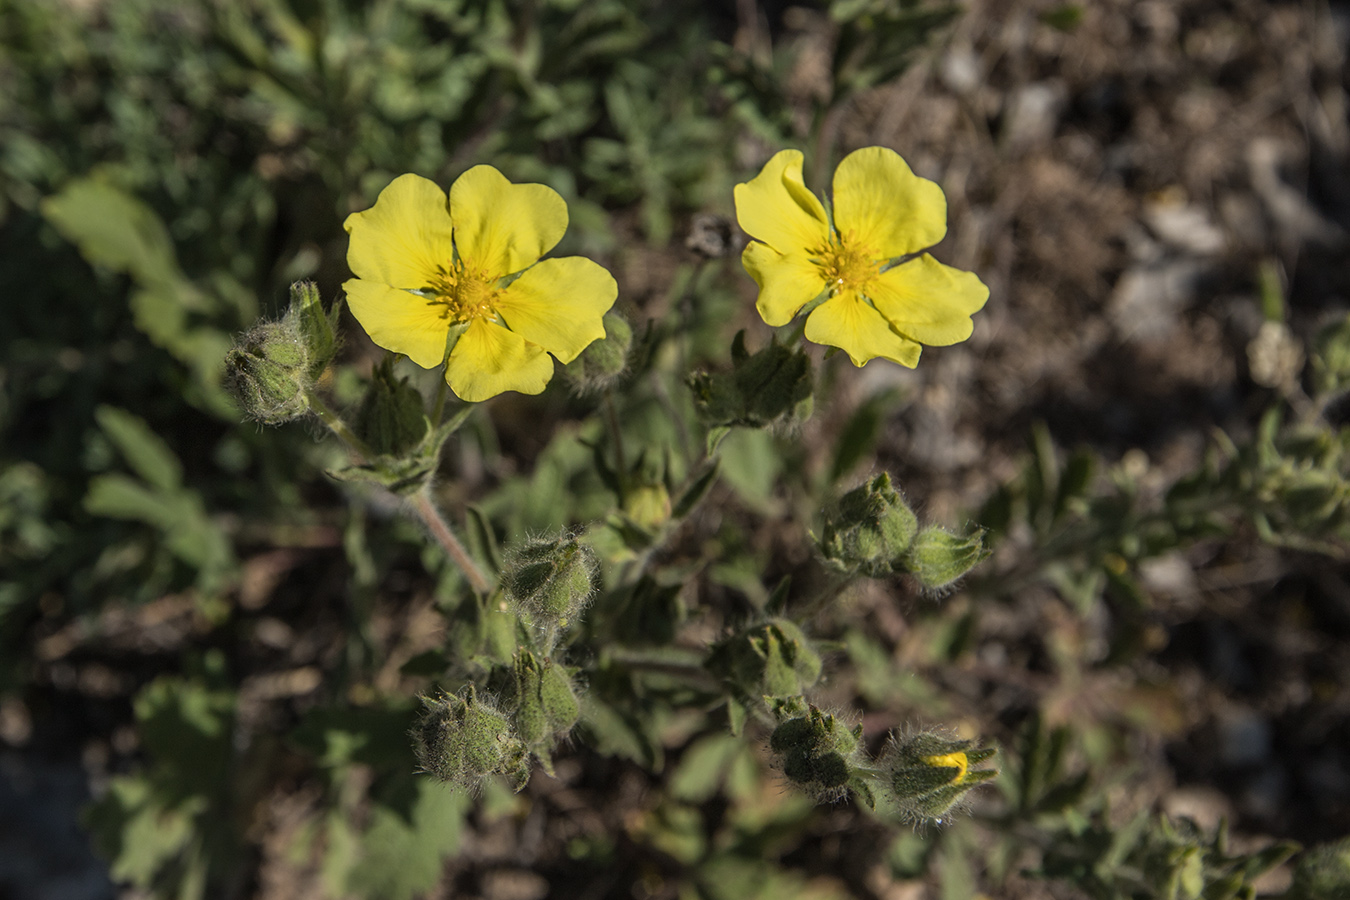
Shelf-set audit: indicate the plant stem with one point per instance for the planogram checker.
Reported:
(426, 510)
(340, 428)
(438, 408)
(440, 530)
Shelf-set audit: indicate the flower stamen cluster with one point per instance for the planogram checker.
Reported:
(847, 263)
(467, 294)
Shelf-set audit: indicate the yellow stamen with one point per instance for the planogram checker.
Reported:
(467, 293)
(956, 761)
(846, 263)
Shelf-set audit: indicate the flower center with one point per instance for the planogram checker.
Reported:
(468, 293)
(846, 263)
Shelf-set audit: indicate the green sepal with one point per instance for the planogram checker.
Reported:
(938, 557)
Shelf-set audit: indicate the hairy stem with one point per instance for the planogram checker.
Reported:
(440, 530)
(360, 449)
(426, 510)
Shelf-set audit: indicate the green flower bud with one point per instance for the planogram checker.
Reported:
(770, 660)
(870, 530)
(552, 580)
(930, 774)
(771, 387)
(817, 752)
(463, 740)
(938, 557)
(392, 419)
(318, 329)
(604, 361)
(267, 372)
(647, 504)
(1323, 873)
(542, 700)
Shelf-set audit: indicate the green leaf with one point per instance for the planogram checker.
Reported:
(119, 496)
(482, 538)
(751, 464)
(113, 229)
(699, 485)
(860, 433)
(702, 768)
(143, 450)
(135, 832)
(401, 858)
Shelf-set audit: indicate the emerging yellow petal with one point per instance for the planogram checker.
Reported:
(558, 304)
(929, 302)
(400, 321)
(847, 322)
(776, 208)
(787, 282)
(402, 238)
(488, 360)
(500, 227)
(881, 203)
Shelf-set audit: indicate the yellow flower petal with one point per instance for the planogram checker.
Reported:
(787, 282)
(929, 302)
(558, 304)
(399, 321)
(402, 239)
(488, 360)
(500, 227)
(881, 204)
(776, 208)
(847, 322)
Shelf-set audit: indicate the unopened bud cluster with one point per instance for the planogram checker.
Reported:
(929, 774)
(272, 368)
(542, 700)
(1323, 873)
(818, 752)
(871, 531)
(771, 387)
(464, 740)
(773, 660)
(551, 580)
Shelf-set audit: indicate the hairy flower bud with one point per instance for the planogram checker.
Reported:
(268, 373)
(551, 580)
(930, 774)
(542, 700)
(463, 740)
(647, 503)
(1322, 872)
(818, 753)
(770, 660)
(938, 557)
(870, 530)
(604, 361)
(771, 387)
(317, 328)
(392, 419)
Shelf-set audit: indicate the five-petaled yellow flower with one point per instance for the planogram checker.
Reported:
(875, 301)
(433, 276)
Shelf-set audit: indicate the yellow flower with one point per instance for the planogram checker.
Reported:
(871, 305)
(434, 277)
